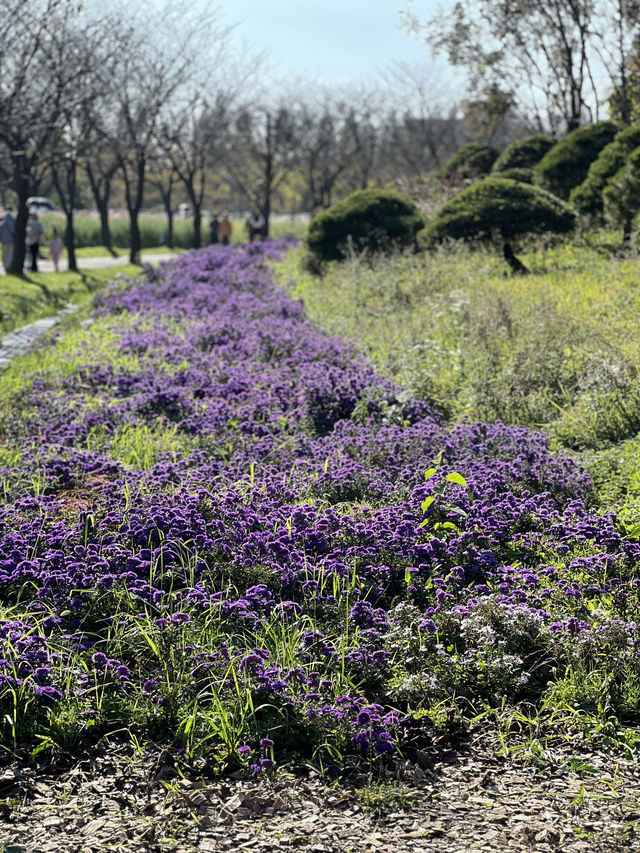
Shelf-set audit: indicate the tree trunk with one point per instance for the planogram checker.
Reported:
(21, 187)
(516, 265)
(197, 225)
(169, 211)
(105, 230)
(134, 230)
(101, 199)
(268, 180)
(70, 236)
(64, 179)
(134, 204)
(70, 242)
(196, 203)
(170, 228)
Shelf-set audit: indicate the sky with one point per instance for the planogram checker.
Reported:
(329, 40)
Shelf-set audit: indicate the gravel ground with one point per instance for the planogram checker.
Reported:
(459, 801)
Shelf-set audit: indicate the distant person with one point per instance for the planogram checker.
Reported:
(248, 227)
(214, 227)
(225, 230)
(258, 226)
(35, 233)
(55, 248)
(7, 233)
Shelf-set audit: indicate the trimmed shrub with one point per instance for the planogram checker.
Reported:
(566, 165)
(587, 198)
(500, 206)
(621, 195)
(469, 162)
(372, 220)
(517, 173)
(524, 153)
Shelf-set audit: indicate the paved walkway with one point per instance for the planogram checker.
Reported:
(45, 265)
(20, 340)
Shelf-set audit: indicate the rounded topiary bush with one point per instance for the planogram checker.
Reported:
(500, 208)
(372, 220)
(587, 198)
(469, 162)
(621, 195)
(517, 173)
(524, 153)
(500, 205)
(565, 166)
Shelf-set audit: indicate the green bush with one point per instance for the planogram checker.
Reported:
(372, 220)
(524, 153)
(621, 195)
(499, 206)
(565, 166)
(517, 173)
(469, 162)
(587, 198)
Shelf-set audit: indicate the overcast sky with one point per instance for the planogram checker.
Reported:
(331, 40)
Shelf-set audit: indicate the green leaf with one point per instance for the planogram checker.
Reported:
(427, 503)
(454, 477)
(633, 532)
(428, 474)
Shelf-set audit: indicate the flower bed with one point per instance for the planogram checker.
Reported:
(224, 529)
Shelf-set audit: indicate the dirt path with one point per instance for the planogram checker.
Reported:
(466, 800)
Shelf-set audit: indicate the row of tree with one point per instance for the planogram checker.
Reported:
(102, 100)
(105, 100)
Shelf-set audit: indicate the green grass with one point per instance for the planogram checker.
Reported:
(558, 349)
(36, 295)
(554, 349)
(153, 231)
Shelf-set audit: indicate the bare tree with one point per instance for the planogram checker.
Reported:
(263, 152)
(71, 144)
(164, 178)
(617, 41)
(325, 148)
(145, 81)
(429, 128)
(100, 166)
(194, 133)
(541, 53)
(148, 78)
(363, 134)
(194, 138)
(40, 69)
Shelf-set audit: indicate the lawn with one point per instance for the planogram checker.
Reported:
(35, 295)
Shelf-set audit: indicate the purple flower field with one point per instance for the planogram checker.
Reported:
(225, 530)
